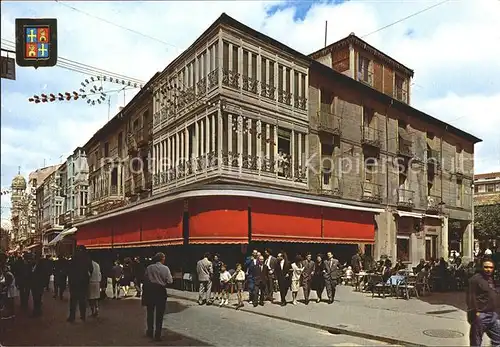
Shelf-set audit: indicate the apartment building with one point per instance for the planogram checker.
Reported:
(118, 157)
(256, 142)
(487, 189)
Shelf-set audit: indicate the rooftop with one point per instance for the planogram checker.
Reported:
(487, 176)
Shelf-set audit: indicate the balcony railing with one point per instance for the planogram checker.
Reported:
(250, 84)
(365, 76)
(400, 94)
(406, 198)
(333, 188)
(434, 203)
(285, 97)
(128, 187)
(371, 192)
(329, 123)
(300, 102)
(213, 79)
(405, 148)
(371, 136)
(131, 143)
(141, 136)
(230, 78)
(267, 91)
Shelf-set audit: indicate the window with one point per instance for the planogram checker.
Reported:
(106, 149)
(430, 247)
(368, 115)
(399, 88)
(135, 125)
(326, 165)
(370, 169)
(490, 188)
(284, 152)
(403, 248)
(364, 74)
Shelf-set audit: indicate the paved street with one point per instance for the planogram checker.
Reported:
(437, 319)
(122, 323)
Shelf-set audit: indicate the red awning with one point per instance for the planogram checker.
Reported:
(95, 235)
(126, 230)
(162, 225)
(348, 226)
(280, 221)
(216, 220)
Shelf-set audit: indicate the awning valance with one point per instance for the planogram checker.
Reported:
(348, 226)
(417, 215)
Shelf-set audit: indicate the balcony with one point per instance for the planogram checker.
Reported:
(365, 76)
(141, 136)
(406, 198)
(250, 84)
(405, 148)
(400, 94)
(230, 78)
(329, 123)
(434, 203)
(333, 187)
(371, 192)
(371, 137)
(434, 158)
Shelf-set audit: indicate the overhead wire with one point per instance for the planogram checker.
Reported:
(83, 68)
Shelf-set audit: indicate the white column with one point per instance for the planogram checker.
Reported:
(307, 90)
(202, 137)
(153, 166)
(306, 136)
(119, 180)
(196, 73)
(240, 66)
(207, 134)
(181, 148)
(230, 62)
(299, 84)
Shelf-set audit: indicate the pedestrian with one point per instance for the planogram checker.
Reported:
(80, 270)
(297, 269)
(117, 272)
(239, 279)
(481, 306)
(156, 279)
(307, 276)
(8, 289)
(318, 281)
(224, 279)
(250, 262)
(331, 274)
(37, 280)
(204, 269)
(138, 270)
(270, 262)
(260, 276)
(282, 272)
(216, 283)
(95, 289)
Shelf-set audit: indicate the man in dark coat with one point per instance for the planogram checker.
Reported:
(80, 269)
(37, 283)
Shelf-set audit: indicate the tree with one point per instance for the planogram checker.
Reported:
(487, 222)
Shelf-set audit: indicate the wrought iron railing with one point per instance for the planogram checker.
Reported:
(201, 86)
(334, 186)
(300, 102)
(250, 84)
(213, 79)
(285, 97)
(230, 78)
(267, 91)
(434, 203)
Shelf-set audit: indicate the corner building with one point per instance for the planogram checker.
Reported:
(250, 139)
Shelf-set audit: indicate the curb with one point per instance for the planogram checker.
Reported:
(331, 330)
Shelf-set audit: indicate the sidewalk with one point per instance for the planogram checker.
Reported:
(390, 320)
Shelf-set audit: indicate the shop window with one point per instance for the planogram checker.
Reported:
(403, 248)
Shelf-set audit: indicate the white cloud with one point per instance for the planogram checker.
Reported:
(454, 50)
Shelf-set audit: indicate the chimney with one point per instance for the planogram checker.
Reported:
(121, 108)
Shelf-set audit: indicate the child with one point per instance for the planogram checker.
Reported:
(225, 277)
(239, 278)
(348, 275)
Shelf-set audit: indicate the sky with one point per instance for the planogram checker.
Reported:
(453, 49)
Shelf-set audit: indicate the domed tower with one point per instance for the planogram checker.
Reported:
(18, 189)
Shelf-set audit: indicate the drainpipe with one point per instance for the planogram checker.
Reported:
(387, 167)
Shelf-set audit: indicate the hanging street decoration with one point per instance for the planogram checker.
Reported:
(57, 97)
(94, 93)
(36, 42)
